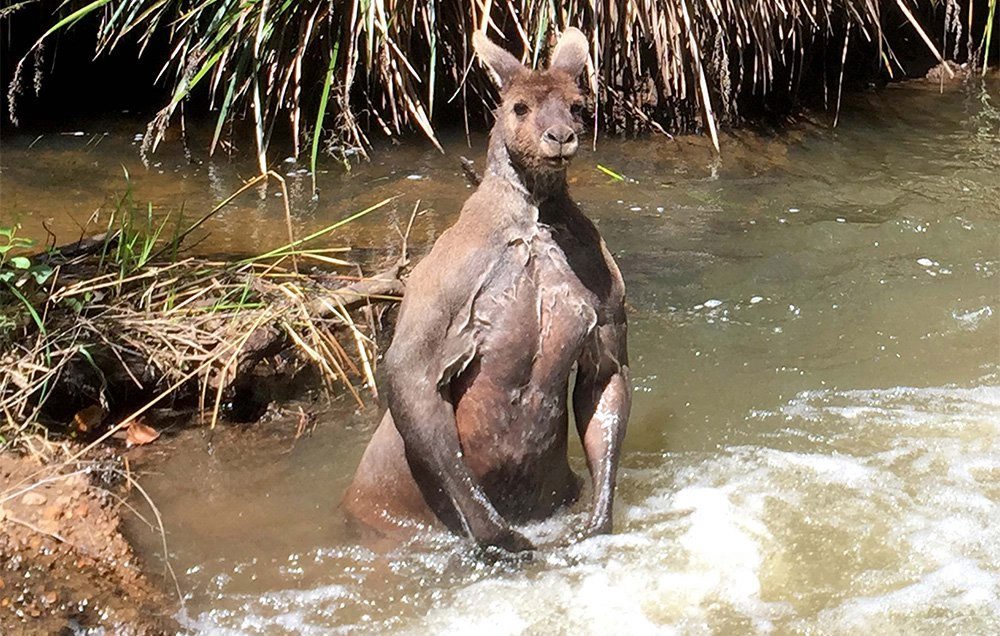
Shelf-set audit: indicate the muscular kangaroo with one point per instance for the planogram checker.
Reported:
(510, 298)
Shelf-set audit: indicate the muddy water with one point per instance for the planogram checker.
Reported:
(815, 440)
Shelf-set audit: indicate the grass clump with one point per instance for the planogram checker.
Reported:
(100, 332)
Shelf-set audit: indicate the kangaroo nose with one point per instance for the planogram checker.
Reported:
(560, 134)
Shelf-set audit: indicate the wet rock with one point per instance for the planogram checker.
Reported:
(947, 72)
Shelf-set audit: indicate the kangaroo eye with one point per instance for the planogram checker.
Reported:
(520, 109)
(576, 109)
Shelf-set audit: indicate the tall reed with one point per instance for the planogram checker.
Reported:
(333, 71)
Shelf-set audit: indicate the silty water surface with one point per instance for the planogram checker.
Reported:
(815, 439)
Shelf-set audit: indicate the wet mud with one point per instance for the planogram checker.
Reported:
(65, 566)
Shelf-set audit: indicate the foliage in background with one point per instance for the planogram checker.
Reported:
(351, 67)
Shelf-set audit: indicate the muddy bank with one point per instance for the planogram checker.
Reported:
(64, 564)
(112, 338)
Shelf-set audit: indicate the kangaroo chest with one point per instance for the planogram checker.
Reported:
(535, 314)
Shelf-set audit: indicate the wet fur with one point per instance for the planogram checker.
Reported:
(513, 296)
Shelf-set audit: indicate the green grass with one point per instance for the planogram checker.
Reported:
(991, 15)
(611, 173)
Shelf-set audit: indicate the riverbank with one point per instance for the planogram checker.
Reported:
(112, 341)
(65, 468)
(64, 564)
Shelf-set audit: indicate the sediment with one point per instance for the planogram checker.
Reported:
(64, 565)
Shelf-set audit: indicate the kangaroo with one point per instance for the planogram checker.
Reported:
(519, 290)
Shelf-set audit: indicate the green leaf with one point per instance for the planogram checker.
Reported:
(324, 97)
(20, 262)
(30, 308)
(611, 173)
(185, 87)
(222, 113)
(41, 273)
(74, 303)
(73, 18)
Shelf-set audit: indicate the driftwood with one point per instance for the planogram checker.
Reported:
(469, 170)
(85, 246)
(269, 340)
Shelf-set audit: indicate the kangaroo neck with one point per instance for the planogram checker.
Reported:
(537, 187)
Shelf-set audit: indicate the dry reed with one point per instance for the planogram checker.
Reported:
(168, 327)
(336, 70)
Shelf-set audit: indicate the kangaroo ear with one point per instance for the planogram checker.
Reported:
(505, 66)
(570, 55)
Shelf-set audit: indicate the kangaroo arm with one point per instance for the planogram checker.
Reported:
(426, 422)
(433, 343)
(602, 399)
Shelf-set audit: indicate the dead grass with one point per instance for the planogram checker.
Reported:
(334, 71)
(167, 327)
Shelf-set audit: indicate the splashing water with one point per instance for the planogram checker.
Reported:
(815, 439)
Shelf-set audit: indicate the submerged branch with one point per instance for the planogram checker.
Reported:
(271, 339)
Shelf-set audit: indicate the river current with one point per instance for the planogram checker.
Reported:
(814, 445)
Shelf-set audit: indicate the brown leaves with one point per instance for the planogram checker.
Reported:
(140, 434)
(137, 433)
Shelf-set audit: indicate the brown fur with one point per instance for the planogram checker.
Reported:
(546, 96)
(511, 298)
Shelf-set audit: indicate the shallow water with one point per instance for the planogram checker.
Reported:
(815, 439)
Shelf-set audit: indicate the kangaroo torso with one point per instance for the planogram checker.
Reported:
(545, 282)
(511, 299)
(531, 320)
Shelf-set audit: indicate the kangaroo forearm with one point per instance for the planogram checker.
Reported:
(430, 437)
(606, 409)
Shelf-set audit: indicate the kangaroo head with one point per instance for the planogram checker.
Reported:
(539, 114)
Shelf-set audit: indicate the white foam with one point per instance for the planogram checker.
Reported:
(960, 592)
(971, 320)
(893, 531)
(828, 469)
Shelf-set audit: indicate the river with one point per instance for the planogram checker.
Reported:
(814, 444)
